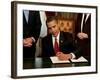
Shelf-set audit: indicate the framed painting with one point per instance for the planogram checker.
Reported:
(29, 27)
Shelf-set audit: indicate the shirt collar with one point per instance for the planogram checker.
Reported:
(57, 36)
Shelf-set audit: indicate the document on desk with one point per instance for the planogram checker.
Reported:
(80, 59)
(56, 60)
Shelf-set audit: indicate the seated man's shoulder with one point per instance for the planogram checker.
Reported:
(67, 34)
(46, 37)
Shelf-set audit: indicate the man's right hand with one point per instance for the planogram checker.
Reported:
(62, 56)
(82, 35)
(27, 42)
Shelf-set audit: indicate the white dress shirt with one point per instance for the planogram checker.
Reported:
(87, 15)
(26, 13)
(43, 31)
(53, 39)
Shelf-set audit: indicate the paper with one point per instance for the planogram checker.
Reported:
(56, 60)
(80, 59)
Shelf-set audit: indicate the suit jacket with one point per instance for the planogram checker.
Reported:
(85, 43)
(66, 45)
(33, 26)
(86, 25)
(31, 29)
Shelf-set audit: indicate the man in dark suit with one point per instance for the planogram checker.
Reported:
(58, 43)
(31, 32)
(83, 33)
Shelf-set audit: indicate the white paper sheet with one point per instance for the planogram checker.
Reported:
(80, 59)
(56, 60)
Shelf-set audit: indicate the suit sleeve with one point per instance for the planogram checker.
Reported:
(36, 22)
(72, 46)
(75, 48)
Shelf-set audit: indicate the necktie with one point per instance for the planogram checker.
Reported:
(43, 31)
(56, 47)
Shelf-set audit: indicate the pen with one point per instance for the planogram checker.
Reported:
(70, 60)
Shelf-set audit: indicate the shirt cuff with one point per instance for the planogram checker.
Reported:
(33, 39)
(73, 55)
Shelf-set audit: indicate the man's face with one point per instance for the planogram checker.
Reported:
(53, 27)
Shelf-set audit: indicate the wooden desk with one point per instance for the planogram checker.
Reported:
(46, 63)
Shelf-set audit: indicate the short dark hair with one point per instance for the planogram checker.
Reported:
(51, 18)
